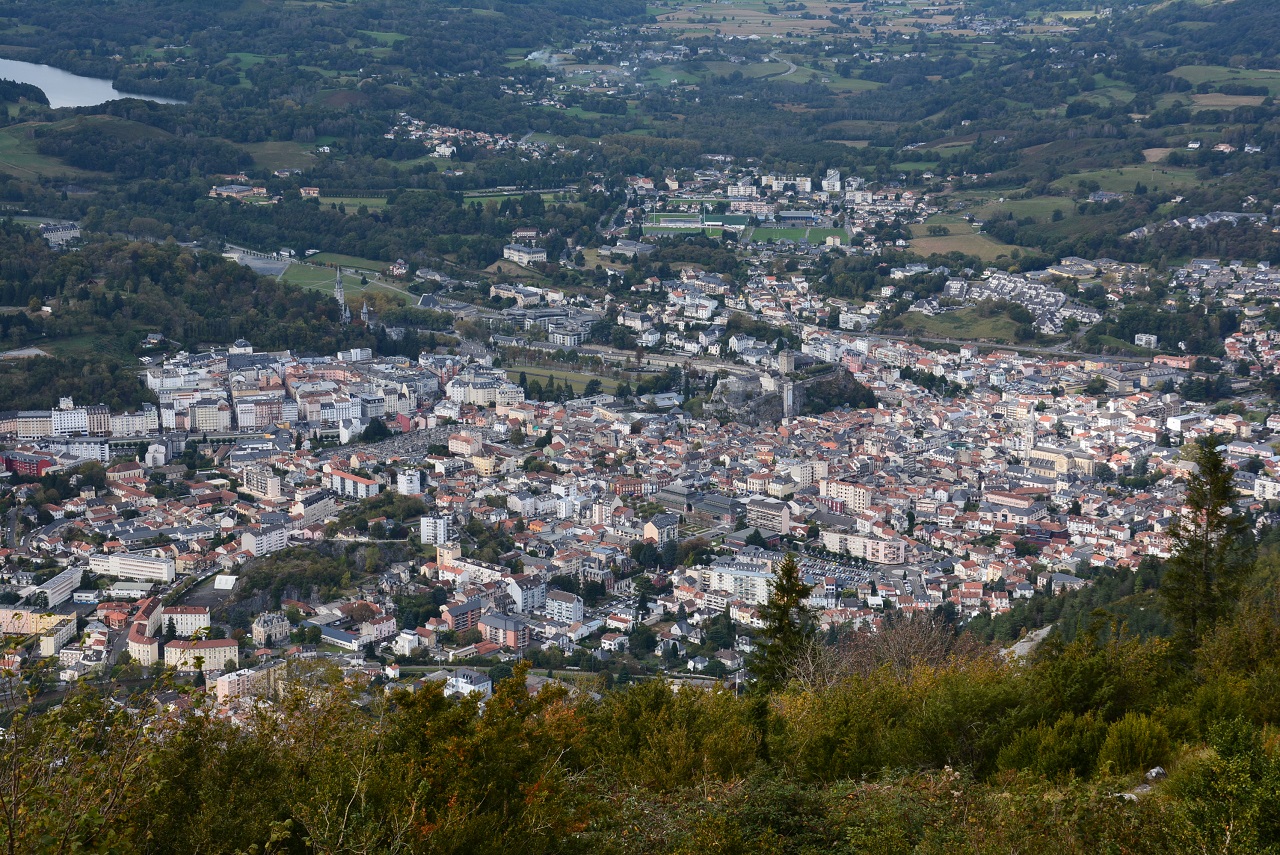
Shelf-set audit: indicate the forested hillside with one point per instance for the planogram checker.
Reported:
(112, 294)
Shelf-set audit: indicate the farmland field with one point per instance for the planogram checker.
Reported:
(1196, 74)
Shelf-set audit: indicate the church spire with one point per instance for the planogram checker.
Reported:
(340, 295)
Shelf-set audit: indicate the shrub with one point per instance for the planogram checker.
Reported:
(1134, 743)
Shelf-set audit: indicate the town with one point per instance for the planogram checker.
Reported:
(621, 531)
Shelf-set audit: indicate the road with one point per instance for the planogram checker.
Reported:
(1017, 348)
(44, 529)
(1028, 643)
(791, 66)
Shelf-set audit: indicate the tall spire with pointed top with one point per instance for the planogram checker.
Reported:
(340, 295)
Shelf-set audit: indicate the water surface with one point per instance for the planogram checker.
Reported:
(69, 90)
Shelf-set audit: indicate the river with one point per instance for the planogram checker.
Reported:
(66, 89)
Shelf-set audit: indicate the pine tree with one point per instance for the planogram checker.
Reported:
(788, 627)
(1214, 550)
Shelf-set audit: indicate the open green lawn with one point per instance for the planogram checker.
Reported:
(317, 278)
(280, 155)
(1125, 178)
(347, 261)
(541, 374)
(980, 245)
(321, 279)
(353, 202)
(1196, 74)
(963, 324)
(754, 69)
(482, 197)
(916, 165)
(385, 38)
(811, 235)
(18, 156)
(665, 75)
(1040, 207)
(764, 234)
(850, 84)
(248, 60)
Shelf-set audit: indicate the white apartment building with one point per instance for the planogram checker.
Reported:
(209, 415)
(873, 549)
(146, 420)
(528, 592)
(482, 387)
(354, 486)
(144, 649)
(434, 530)
(265, 541)
(260, 680)
(72, 422)
(214, 655)
(857, 499)
(750, 586)
(261, 481)
(564, 607)
(140, 568)
(524, 255)
(187, 620)
(409, 482)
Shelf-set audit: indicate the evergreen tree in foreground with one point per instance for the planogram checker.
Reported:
(788, 629)
(1214, 550)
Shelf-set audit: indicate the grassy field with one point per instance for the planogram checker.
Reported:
(851, 84)
(811, 235)
(963, 324)
(347, 261)
(765, 234)
(1219, 101)
(88, 345)
(542, 374)
(321, 279)
(501, 197)
(18, 156)
(916, 165)
(970, 244)
(353, 202)
(674, 230)
(1124, 179)
(1196, 74)
(667, 75)
(1040, 207)
(280, 155)
(317, 278)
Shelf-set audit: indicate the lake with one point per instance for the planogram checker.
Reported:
(66, 89)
